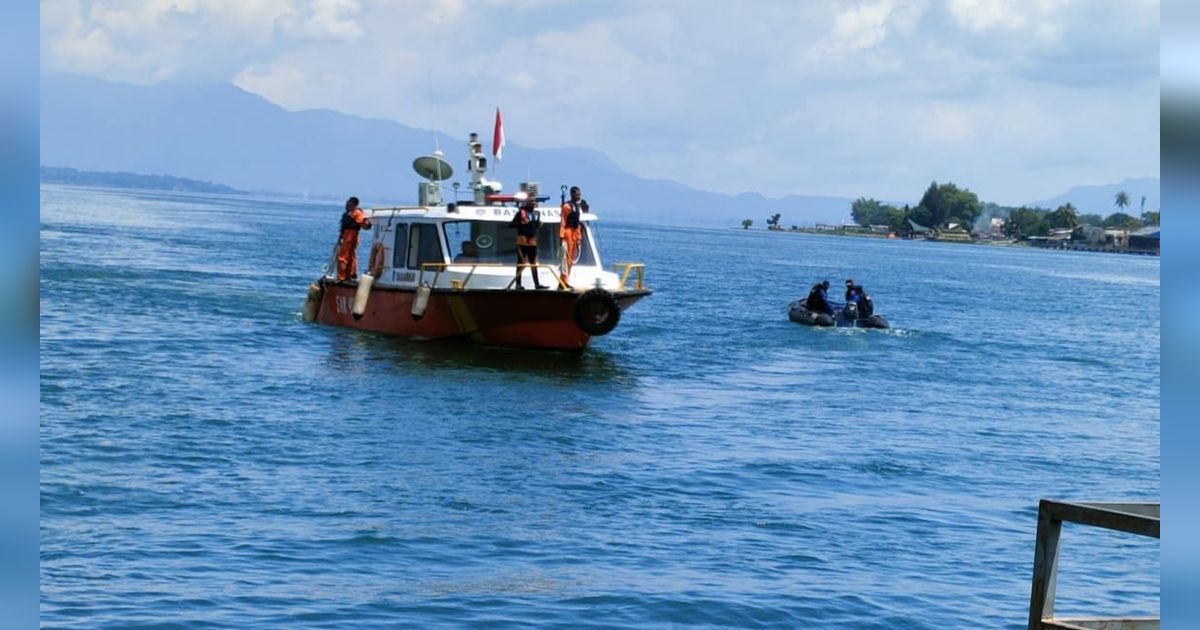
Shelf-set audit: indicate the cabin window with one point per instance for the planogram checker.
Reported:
(550, 247)
(424, 246)
(400, 246)
(495, 242)
(481, 242)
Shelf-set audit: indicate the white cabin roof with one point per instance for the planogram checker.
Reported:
(498, 213)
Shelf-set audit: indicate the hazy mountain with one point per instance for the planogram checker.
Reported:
(220, 133)
(1099, 199)
(73, 177)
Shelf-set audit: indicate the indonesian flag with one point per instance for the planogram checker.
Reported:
(498, 137)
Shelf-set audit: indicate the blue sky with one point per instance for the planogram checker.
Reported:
(1015, 100)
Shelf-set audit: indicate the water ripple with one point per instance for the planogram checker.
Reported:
(208, 460)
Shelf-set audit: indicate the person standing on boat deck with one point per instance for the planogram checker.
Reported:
(527, 223)
(570, 232)
(818, 299)
(353, 220)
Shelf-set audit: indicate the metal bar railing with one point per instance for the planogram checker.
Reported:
(554, 271)
(1134, 518)
(623, 269)
(438, 268)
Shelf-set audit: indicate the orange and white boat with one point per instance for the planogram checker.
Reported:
(447, 270)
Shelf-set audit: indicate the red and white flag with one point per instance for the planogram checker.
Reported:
(498, 137)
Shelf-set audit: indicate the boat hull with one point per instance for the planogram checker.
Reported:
(521, 319)
(801, 315)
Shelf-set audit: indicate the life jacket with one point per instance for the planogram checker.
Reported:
(816, 301)
(348, 222)
(527, 223)
(865, 307)
(571, 219)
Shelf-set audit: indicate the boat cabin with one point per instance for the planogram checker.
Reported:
(473, 247)
(449, 270)
(470, 245)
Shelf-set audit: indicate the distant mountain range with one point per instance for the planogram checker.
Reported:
(1099, 199)
(52, 175)
(220, 133)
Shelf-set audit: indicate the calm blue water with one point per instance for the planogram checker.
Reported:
(210, 460)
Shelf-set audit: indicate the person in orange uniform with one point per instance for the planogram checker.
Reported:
(527, 221)
(570, 232)
(353, 220)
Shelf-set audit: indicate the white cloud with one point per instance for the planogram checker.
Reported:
(947, 125)
(279, 78)
(153, 40)
(858, 34)
(323, 19)
(440, 11)
(874, 97)
(525, 5)
(862, 27)
(983, 15)
(523, 81)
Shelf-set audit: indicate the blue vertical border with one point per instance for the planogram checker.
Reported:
(1180, 345)
(1180, 282)
(19, 494)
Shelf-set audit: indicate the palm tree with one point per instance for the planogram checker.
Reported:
(1065, 216)
(1072, 215)
(746, 223)
(1121, 200)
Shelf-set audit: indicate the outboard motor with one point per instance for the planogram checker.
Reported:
(851, 311)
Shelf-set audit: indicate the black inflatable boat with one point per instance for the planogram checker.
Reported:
(842, 317)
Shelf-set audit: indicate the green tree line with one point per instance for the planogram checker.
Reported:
(1026, 222)
(941, 205)
(945, 204)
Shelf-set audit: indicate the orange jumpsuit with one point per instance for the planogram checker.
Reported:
(347, 257)
(570, 232)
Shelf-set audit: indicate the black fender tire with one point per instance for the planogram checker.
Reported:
(597, 312)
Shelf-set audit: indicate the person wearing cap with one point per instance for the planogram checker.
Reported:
(818, 298)
(353, 220)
